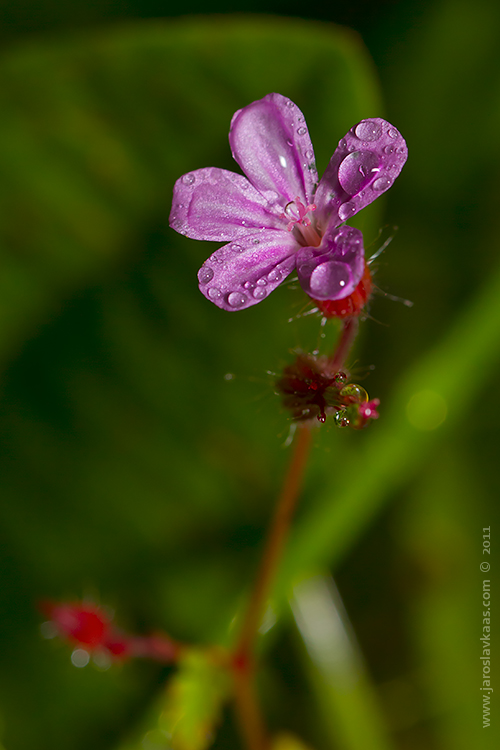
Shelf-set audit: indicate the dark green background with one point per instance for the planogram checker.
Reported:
(131, 471)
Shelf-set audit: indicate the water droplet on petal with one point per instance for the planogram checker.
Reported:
(392, 133)
(237, 248)
(255, 241)
(214, 293)
(343, 143)
(382, 183)
(205, 274)
(357, 169)
(290, 103)
(244, 185)
(389, 149)
(273, 275)
(259, 292)
(301, 131)
(368, 130)
(188, 179)
(261, 282)
(248, 285)
(346, 210)
(309, 154)
(328, 278)
(236, 299)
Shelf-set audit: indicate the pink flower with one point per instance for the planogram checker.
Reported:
(369, 409)
(278, 218)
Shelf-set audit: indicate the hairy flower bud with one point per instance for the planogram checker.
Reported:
(311, 388)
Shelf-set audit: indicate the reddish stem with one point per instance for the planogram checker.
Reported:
(349, 332)
(243, 658)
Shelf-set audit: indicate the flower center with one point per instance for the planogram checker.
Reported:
(297, 214)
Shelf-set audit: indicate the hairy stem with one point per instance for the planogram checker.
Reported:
(346, 340)
(243, 660)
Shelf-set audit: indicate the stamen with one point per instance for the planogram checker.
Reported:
(297, 212)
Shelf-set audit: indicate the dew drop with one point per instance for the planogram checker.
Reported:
(237, 248)
(309, 154)
(368, 130)
(205, 274)
(341, 418)
(382, 183)
(259, 292)
(214, 293)
(328, 278)
(356, 171)
(346, 210)
(392, 133)
(188, 179)
(301, 131)
(343, 143)
(355, 392)
(236, 299)
(389, 149)
(273, 275)
(244, 185)
(261, 282)
(80, 657)
(255, 241)
(248, 285)
(290, 103)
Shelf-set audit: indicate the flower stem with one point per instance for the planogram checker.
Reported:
(349, 331)
(275, 541)
(243, 658)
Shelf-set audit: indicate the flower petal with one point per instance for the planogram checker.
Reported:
(364, 165)
(243, 273)
(270, 141)
(334, 269)
(215, 204)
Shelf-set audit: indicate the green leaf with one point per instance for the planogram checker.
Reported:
(194, 701)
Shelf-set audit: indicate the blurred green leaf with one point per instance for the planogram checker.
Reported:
(336, 668)
(194, 701)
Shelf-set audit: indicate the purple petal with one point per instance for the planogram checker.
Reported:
(215, 204)
(243, 273)
(270, 141)
(364, 165)
(333, 270)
